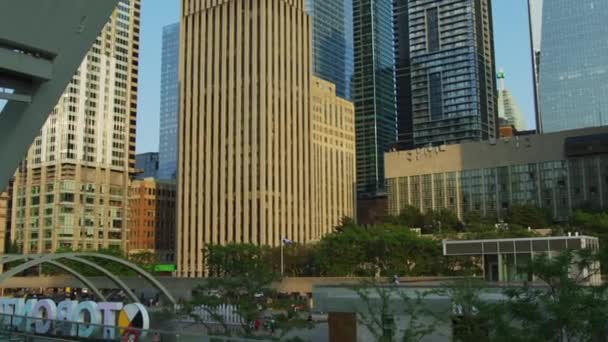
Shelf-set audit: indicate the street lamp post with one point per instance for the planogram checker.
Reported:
(284, 241)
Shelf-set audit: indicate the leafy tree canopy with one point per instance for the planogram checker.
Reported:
(145, 260)
(241, 277)
(529, 216)
(377, 250)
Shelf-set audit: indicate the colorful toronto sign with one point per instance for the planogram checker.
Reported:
(78, 319)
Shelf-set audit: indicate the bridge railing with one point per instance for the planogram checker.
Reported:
(16, 328)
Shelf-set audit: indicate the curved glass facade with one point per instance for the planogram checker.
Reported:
(574, 65)
(169, 96)
(373, 91)
(332, 42)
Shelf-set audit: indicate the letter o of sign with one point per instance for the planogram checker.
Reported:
(78, 315)
(50, 308)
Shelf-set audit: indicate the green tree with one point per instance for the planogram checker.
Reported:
(377, 314)
(339, 254)
(593, 224)
(564, 309)
(12, 248)
(441, 221)
(345, 223)
(475, 222)
(235, 259)
(528, 216)
(378, 250)
(145, 260)
(299, 259)
(469, 313)
(382, 302)
(409, 216)
(241, 277)
(511, 231)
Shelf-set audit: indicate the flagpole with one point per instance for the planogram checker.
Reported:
(282, 265)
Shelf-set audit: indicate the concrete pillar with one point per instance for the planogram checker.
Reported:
(501, 271)
(342, 327)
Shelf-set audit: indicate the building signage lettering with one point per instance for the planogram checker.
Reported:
(88, 317)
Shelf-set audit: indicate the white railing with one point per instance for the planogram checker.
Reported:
(227, 313)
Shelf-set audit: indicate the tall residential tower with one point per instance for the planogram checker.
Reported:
(446, 86)
(169, 97)
(373, 91)
(71, 190)
(508, 109)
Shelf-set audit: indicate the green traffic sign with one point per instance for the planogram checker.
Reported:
(164, 268)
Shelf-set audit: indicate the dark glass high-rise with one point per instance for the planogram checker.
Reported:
(446, 90)
(373, 91)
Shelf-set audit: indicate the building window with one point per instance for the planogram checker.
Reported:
(66, 197)
(432, 29)
(435, 96)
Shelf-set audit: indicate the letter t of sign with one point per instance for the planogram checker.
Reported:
(109, 310)
(64, 313)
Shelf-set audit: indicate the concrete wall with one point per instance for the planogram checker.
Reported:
(340, 299)
(182, 287)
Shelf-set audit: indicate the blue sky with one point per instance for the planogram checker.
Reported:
(511, 41)
(154, 15)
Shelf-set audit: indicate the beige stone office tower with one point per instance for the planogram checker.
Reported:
(71, 191)
(245, 148)
(333, 156)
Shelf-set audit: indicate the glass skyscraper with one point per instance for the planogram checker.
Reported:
(574, 64)
(373, 91)
(535, 13)
(169, 97)
(332, 42)
(147, 165)
(445, 70)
